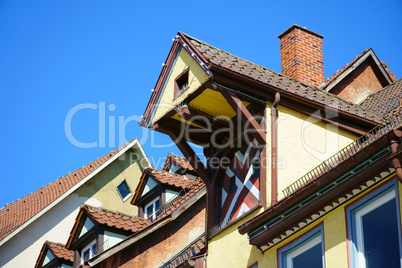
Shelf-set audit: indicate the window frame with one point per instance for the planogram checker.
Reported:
(153, 204)
(91, 251)
(128, 188)
(361, 207)
(301, 244)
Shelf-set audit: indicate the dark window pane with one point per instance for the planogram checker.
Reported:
(123, 189)
(256, 169)
(233, 184)
(86, 254)
(149, 210)
(311, 258)
(93, 248)
(380, 232)
(156, 207)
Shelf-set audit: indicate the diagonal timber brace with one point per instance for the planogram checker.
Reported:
(246, 117)
(192, 158)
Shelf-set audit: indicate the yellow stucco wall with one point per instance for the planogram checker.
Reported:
(196, 78)
(303, 143)
(103, 186)
(231, 249)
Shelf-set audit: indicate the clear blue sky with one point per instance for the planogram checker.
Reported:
(55, 55)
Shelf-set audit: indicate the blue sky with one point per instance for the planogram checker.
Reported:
(58, 55)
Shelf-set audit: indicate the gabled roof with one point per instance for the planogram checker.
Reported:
(213, 60)
(17, 215)
(108, 218)
(348, 68)
(179, 161)
(58, 250)
(283, 83)
(386, 101)
(162, 177)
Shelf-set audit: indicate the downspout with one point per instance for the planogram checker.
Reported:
(396, 163)
(274, 143)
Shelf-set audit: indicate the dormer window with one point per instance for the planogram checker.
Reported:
(151, 210)
(124, 190)
(181, 84)
(88, 252)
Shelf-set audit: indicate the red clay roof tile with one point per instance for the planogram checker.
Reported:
(169, 178)
(178, 161)
(15, 214)
(116, 219)
(59, 251)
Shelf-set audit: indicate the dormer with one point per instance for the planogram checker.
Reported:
(97, 229)
(157, 189)
(179, 165)
(361, 77)
(55, 255)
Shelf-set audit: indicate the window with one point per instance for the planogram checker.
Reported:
(124, 190)
(256, 168)
(306, 251)
(49, 256)
(88, 252)
(150, 210)
(373, 229)
(181, 84)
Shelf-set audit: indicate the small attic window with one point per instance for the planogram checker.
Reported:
(181, 84)
(124, 190)
(151, 209)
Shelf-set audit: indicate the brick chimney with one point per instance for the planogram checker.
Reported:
(302, 56)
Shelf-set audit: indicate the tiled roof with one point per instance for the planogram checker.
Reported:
(60, 251)
(116, 220)
(339, 72)
(169, 178)
(15, 214)
(284, 83)
(178, 161)
(380, 98)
